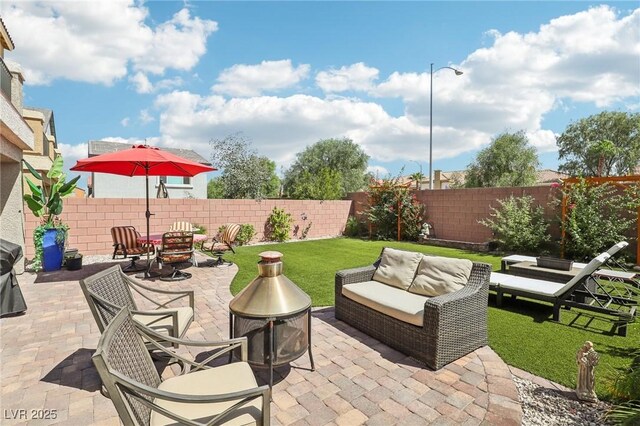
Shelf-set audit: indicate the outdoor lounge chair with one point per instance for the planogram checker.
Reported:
(182, 226)
(177, 247)
(108, 291)
(220, 245)
(199, 395)
(125, 243)
(577, 292)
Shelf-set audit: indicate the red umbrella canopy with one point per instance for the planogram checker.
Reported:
(141, 160)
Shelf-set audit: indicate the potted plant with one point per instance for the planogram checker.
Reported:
(45, 201)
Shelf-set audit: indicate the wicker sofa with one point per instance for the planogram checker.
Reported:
(433, 329)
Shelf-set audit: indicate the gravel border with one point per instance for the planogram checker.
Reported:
(543, 406)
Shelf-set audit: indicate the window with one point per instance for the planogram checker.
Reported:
(176, 180)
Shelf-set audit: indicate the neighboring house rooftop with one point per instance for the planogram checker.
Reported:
(104, 147)
(50, 125)
(545, 177)
(5, 37)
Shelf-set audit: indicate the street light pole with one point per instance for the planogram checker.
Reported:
(458, 72)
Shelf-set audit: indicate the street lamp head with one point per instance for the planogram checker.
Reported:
(458, 72)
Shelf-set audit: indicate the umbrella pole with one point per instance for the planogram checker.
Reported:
(147, 272)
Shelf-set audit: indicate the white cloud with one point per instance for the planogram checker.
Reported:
(141, 83)
(96, 42)
(378, 171)
(253, 80)
(353, 77)
(125, 122)
(145, 117)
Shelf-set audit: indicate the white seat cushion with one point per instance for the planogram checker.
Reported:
(392, 301)
(440, 275)
(185, 316)
(214, 381)
(530, 285)
(397, 267)
(516, 258)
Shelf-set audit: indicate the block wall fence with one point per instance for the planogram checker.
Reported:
(455, 212)
(90, 219)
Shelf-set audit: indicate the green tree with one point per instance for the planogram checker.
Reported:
(417, 178)
(604, 144)
(244, 173)
(214, 188)
(508, 161)
(341, 160)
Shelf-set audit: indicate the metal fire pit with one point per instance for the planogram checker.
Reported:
(275, 316)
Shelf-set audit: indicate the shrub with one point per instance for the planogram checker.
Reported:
(352, 227)
(625, 388)
(246, 233)
(391, 201)
(279, 225)
(597, 216)
(518, 225)
(199, 229)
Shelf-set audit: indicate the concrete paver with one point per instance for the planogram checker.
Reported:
(45, 364)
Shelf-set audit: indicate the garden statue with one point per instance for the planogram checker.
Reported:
(587, 359)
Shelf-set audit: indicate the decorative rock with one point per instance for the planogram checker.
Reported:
(587, 358)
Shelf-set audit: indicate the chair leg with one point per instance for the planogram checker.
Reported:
(176, 275)
(132, 266)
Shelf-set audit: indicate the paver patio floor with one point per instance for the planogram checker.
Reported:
(46, 365)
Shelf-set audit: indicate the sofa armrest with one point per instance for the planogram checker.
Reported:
(468, 304)
(355, 275)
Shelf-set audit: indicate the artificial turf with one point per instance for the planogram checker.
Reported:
(521, 331)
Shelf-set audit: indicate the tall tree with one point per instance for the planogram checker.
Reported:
(341, 161)
(417, 178)
(244, 173)
(508, 161)
(604, 144)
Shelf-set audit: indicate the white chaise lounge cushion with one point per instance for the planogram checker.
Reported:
(161, 320)
(220, 380)
(546, 288)
(440, 275)
(392, 301)
(397, 267)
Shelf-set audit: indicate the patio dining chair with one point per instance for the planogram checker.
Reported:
(223, 243)
(199, 395)
(177, 247)
(108, 291)
(125, 243)
(182, 226)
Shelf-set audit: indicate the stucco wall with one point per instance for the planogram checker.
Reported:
(114, 186)
(90, 219)
(11, 216)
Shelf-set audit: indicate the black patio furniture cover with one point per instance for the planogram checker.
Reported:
(11, 300)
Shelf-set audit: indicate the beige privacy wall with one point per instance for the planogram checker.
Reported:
(90, 219)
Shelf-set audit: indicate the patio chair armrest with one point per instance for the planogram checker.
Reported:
(179, 293)
(141, 388)
(460, 307)
(159, 341)
(354, 275)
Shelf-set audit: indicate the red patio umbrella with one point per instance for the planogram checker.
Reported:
(142, 160)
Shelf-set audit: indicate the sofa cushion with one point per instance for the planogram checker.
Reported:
(440, 275)
(397, 267)
(392, 301)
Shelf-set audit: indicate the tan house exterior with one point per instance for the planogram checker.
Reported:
(452, 179)
(16, 137)
(45, 147)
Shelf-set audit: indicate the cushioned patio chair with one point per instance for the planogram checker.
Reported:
(199, 395)
(222, 244)
(125, 243)
(177, 247)
(108, 291)
(582, 291)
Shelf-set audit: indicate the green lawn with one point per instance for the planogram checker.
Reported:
(521, 332)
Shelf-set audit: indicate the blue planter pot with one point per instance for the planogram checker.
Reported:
(52, 252)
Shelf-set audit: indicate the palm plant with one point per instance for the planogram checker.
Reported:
(417, 178)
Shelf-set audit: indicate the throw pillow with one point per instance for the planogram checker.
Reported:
(397, 267)
(440, 275)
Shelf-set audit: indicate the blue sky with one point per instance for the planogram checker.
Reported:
(287, 74)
